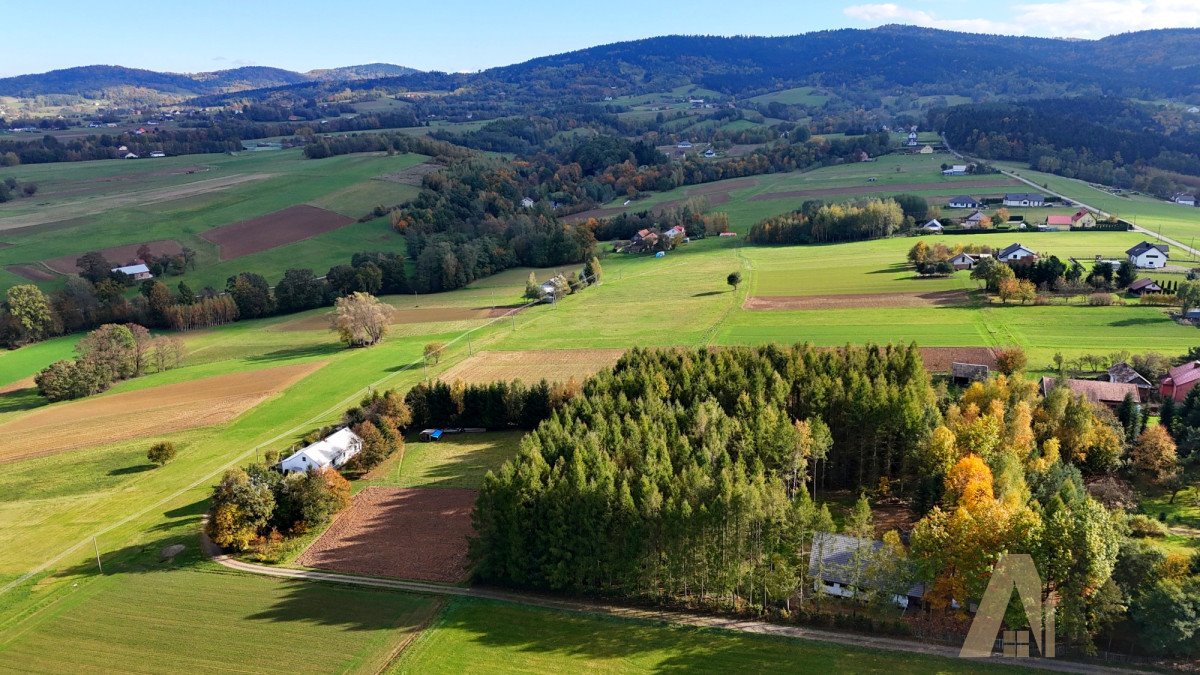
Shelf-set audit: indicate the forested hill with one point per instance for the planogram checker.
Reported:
(1133, 64)
(97, 81)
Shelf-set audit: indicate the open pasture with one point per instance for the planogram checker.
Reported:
(453, 461)
(156, 410)
(858, 301)
(274, 229)
(507, 638)
(398, 532)
(552, 365)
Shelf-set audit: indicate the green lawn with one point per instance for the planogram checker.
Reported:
(488, 637)
(455, 461)
(796, 96)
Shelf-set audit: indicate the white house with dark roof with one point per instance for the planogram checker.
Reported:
(333, 451)
(1023, 199)
(963, 202)
(1015, 252)
(1148, 256)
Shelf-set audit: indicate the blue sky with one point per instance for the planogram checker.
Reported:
(465, 35)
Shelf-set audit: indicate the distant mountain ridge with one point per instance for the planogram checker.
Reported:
(95, 81)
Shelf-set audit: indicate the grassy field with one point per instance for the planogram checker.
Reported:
(1181, 223)
(455, 461)
(797, 96)
(476, 636)
(50, 508)
(86, 206)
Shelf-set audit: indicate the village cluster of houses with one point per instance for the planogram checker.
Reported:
(1082, 218)
(1144, 256)
(652, 241)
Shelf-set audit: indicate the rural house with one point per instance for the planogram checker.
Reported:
(975, 221)
(926, 150)
(1144, 286)
(1110, 394)
(139, 272)
(1083, 218)
(527, 202)
(841, 565)
(964, 261)
(1015, 252)
(933, 227)
(1185, 199)
(1059, 222)
(1180, 380)
(962, 202)
(1023, 199)
(966, 373)
(1125, 374)
(333, 451)
(1148, 256)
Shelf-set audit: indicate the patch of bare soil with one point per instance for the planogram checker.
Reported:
(857, 301)
(939, 359)
(289, 225)
(552, 365)
(31, 272)
(407, 533)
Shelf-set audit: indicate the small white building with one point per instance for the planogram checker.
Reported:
(956, 170)
(527, 203)
(333, 451)
(129, 155)
(139, 272)
(1185, 199)
(1148, 256)
(841, 565)
(158, 153)
(933, 227)
(684, 145)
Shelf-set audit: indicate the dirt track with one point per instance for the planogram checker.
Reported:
(158, 410)
(857, 301)
(406, 533)
(292, 224)
(878, 188)
(410, 315)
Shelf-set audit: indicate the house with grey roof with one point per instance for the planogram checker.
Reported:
(1149, 256)
(1023, 199)
(840, 565)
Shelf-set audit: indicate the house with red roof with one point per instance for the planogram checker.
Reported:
(1059, 221)
(1180, 380)
(1083, 218)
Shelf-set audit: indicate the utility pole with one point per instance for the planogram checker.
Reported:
(513, 315)
(470, 349)
(97, 546)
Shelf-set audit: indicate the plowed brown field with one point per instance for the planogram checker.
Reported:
(155, 411)
(552, 365)
(292, 224)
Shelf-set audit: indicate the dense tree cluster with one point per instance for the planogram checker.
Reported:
(106, 355)
(252, 506)
(499, 405)
(816, 222)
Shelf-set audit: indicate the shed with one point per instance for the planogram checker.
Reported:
(841, 565)
(964, 373)
(429, 435)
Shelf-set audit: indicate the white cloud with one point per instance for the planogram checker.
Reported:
(1077, 18)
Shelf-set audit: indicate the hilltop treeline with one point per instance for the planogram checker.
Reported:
(816, 222)
(497, 405)
(1104, 140)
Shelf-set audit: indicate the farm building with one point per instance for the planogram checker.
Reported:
(332, 451)
(1180, 380)
(139, 271)
(966, 373)
(1184, 199)
(1148, 256)
(684, 145)
(1057, 222)
(1014, 252)
(710, 153)
(1023, 199)
(956, 170)
(963, 202)
(129, 155)
(933, 227)
(1144, 286)
(158, 153)
(1125, 374)
(527, 203)
(926, 150)
(429, 435)
(1110, 394)
(840, 565)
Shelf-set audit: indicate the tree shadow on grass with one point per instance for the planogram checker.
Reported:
(1143, 321)
(127, 470)
(545, 636)
(706, 294)
(895, 268)
(326, 349)
(21, 399)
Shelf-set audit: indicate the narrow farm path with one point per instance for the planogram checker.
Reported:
(634, 613)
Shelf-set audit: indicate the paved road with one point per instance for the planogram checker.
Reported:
(1102, 212)
(665, 616)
